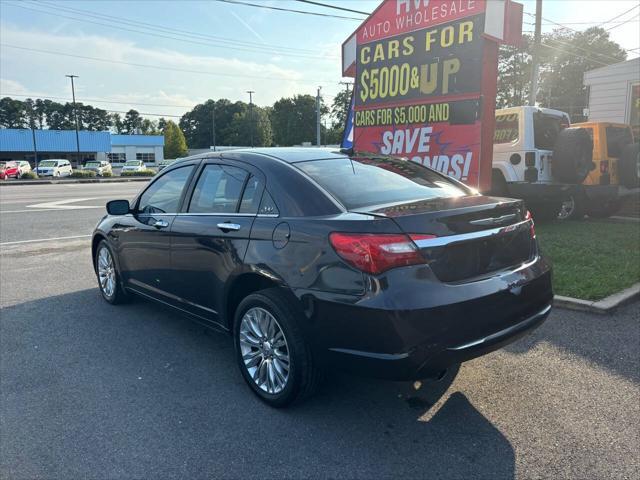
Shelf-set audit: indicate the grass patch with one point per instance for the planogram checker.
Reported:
(591, 259)
(83, 174)
(140, 173)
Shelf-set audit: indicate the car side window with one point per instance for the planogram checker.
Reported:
(250, 201)
(218, 190)
(163, 195)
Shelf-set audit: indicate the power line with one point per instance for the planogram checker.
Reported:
(158, 67)
(154, 26)
(618, 16)
(97, 100)
(620, 24)
(333, 6)
(591, 52)
(575, 54)
(304, 12)
(170, 37)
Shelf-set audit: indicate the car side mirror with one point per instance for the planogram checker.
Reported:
(118, 207)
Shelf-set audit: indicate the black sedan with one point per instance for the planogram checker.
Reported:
(313, 259)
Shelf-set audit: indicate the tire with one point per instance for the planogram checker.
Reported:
(571, 208)
(545, 212)
(572, 156)
(629, 166)
(605, 210)
(253, 328)
(115, 294)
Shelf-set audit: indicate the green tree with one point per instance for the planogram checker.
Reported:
(12, 113)
(514, 74)
(175, 145)
(197, 124)
(340, 108)
(132, 122)
(565, 57)
(294, 120)
(246, 125)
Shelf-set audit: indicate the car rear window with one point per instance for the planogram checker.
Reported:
(368, 181)
(617, 139)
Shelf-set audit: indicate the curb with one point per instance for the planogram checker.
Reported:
(605, 306)
(18, 183)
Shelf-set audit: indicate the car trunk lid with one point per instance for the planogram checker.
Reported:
(463, 238)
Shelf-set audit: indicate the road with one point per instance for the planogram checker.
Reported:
(32, 212)
(88, 390)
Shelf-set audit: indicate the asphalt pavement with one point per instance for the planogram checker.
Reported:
(89, 390)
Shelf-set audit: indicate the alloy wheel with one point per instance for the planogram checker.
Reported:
(264, 350)
(568, 208)
(106, 272)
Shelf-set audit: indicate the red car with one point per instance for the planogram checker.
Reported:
(9, 169)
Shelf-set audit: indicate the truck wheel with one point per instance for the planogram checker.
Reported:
(606, 210)
(545, 212)
(572, 208)
(572, 156)
(629, 166)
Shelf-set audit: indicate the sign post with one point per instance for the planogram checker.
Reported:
(426, 79)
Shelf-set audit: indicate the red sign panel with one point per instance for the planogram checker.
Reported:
(422, 70)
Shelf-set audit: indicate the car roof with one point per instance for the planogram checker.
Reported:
(285, 154)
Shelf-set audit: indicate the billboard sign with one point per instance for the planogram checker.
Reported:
(425, 81)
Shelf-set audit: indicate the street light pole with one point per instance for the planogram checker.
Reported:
(535, 60)
(318, 117)
(251, 92)
(75, 114)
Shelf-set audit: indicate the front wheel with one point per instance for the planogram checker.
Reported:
(572, 209)
(108, 278)
(274, 358)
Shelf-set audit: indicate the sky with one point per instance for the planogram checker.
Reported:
(164, 57)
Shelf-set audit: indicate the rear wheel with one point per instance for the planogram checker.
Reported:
(571, 209)
(274, 358)
(606, 210)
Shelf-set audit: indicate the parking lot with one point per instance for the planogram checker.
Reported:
(90, 390)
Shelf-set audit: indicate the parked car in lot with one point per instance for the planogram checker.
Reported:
(162, 164)
(14, 169)
(133, 166)
(313, 259)
(100, 167)
(3, 171)
(54, 168)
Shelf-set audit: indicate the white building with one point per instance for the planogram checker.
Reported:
(148, 148)
(614, 93)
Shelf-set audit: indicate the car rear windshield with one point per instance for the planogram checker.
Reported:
(132, 163)
(617, 139)
(49, 163)
(93, 164)
(364, 181)
(546, 129)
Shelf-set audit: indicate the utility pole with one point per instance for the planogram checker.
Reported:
(535, 67)
(251, 92)
(213, 126)
(35, 148)
(318, 117)
(75, 114)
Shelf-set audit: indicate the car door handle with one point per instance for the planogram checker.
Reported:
(227, 227)
(161, 224)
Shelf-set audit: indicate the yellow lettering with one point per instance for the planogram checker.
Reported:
(449, 67)
(466, 32)
(407, 45)
(378, 53)
(446, 37)
(365, 55)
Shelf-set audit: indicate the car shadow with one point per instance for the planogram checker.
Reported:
(94, 390)
(610, 341)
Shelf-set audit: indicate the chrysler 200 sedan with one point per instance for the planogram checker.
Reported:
(313, 259)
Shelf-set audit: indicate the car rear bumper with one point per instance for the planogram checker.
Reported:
(413, 344)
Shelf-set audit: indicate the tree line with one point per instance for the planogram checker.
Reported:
(565, 55)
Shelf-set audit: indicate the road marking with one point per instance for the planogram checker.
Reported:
(43, 240)
(42, 210)
(63, 204)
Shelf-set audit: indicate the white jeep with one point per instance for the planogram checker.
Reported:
(538, 157)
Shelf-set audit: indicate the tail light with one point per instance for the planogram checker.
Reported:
(533, 225)
(604, 167)
(377, 253)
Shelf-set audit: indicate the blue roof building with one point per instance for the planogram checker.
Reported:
(18, 144)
